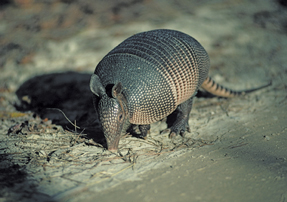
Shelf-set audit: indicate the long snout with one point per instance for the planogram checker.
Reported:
(113, 143)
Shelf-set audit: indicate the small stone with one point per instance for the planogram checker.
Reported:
(266, 137)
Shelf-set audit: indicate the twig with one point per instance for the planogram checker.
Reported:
(64, 116)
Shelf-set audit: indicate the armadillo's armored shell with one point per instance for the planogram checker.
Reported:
(158, 69)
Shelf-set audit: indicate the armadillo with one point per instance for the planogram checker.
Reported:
(146, 78)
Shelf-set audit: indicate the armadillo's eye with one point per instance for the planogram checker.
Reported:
(120, 117)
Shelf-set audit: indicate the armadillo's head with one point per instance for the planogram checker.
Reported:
(111, 108)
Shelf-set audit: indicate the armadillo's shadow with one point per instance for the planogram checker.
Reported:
(69, 92)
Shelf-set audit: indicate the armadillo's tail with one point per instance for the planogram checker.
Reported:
(210, 86)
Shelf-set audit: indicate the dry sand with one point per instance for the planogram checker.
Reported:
(236, 150)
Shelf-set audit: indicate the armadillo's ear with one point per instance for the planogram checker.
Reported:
(117, 90)
(96, 86)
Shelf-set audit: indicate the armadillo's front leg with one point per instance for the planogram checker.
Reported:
(178, 121)
(144, 130)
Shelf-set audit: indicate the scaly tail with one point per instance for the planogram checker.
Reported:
(210, 86)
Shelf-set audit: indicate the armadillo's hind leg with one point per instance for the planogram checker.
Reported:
(178, 121)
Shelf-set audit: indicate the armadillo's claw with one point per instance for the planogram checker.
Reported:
(142, 136)
(179, 129)
(172, 135)
(167, 130)
(188, 129)
(182, 133)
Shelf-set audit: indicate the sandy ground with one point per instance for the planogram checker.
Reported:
(236, 150)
